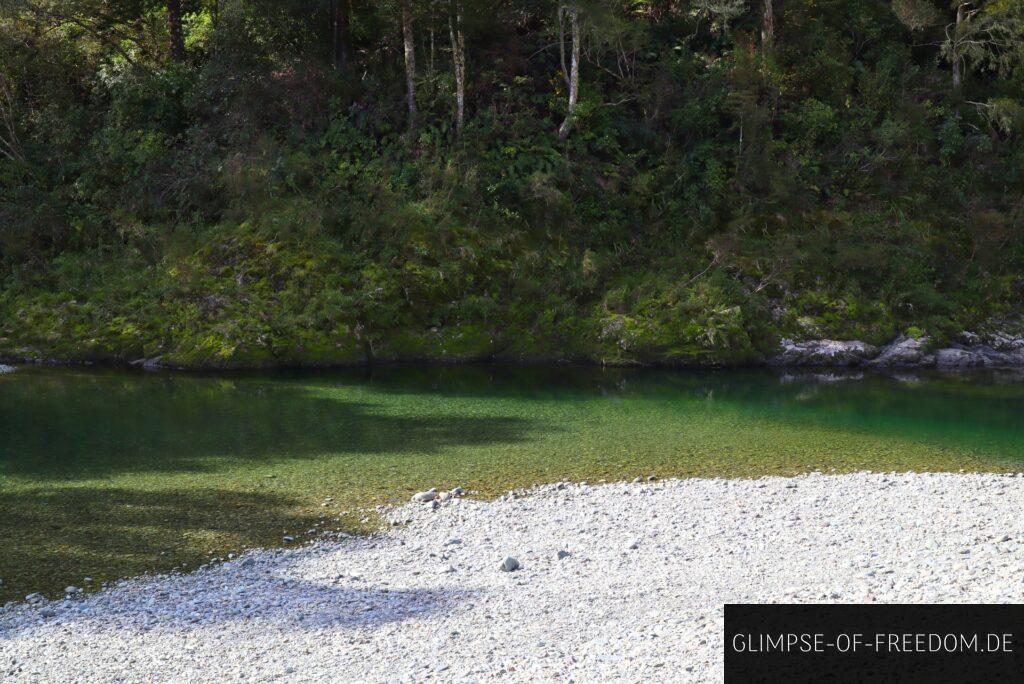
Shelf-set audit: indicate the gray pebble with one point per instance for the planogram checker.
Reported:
(510, 564)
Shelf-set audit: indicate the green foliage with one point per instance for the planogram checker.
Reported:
(260, 205)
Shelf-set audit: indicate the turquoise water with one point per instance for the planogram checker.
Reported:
(60, 424)
(110, 473)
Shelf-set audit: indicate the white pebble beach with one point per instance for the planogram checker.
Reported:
(638, 597)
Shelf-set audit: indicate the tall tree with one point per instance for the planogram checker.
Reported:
(459, 62)
(980, 34)
(410, 63)
(175, 30)
(916, 15)
(572, 77)
(660, 9)
(341, 11)
(768, 26)
(10, 146)
(957, 38)
(720, 14)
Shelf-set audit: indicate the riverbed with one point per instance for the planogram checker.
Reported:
(107, 474)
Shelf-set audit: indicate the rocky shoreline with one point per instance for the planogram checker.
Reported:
(592, 583)
(971, 351)
(996, 349)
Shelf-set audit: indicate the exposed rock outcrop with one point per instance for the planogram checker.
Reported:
(904, 352)
(997, 339)
(154, 363)
(989, 350)
(824, 353)
(978, 356)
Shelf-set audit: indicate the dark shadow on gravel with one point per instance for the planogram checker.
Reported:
(264, 602)
(268, 601)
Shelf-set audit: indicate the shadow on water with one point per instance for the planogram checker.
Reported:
(55, 537)
(63, 425)
(98, 469)
(66, 426)
(60, 427)
(975, 412)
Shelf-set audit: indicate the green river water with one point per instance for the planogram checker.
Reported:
(109, 474)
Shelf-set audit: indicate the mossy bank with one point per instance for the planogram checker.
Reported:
(249, 199)
(267, 294)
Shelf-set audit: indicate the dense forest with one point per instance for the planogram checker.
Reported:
(240, 183)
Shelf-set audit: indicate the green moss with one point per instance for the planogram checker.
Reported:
(259, 294)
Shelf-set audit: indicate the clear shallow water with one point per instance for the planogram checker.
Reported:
(110, 473)
(61, 424)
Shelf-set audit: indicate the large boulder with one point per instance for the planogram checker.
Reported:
(958, 359)
(978, 356)
(1007, 337)
(904, 352)
(823, 353)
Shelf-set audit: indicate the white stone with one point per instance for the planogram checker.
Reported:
(425, 497)
(892, 538)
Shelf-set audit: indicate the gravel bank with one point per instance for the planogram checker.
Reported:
(638, 598)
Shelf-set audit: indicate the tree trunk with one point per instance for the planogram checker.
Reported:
(174, 27)
(433, 46)
(459, 60)
(768, 27)
(10, 147)
(574, 71)
(410, 63)
(341, 12)
(958, 78)
(660, 9)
